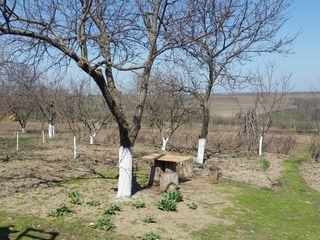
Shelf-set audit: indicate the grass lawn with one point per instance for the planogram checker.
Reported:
(291, 211)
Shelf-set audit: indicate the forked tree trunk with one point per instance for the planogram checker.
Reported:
(92, 138)
(260, 145)
(164, 143)
(203, 134)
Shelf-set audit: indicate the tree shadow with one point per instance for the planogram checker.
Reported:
(33, 233)
(6, 231)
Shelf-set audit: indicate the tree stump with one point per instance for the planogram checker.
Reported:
(213, 174)
(157, 168)
(185, 169)
(168, 181)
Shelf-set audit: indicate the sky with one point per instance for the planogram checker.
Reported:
(304, 64)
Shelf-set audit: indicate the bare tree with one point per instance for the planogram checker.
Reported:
(168, 108)
(269, 92)
(16, 97)
(84, 105)
(101, 37)
(234, 31)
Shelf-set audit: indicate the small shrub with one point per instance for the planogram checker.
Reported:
(265, 164)
(62, 210)
(193, 205)
(112, 209)
(175, 195)
(151, 236)
(149, 219)
(138, 204)
(94, 203)
(74, 197)
(315, 148)
(167, 204)
(104, 224)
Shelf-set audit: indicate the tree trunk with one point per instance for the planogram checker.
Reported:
(43, 139)
(260, 145)
(125, 172)
(17, 141)
(23, 130)
(92, 138)
(50, 135)
(168, 181)
(53, 131)
(74, 147)
(204, 132)
(164, 143)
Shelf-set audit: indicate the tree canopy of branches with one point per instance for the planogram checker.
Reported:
(82, 105)
(234, 31)
(100, 37)
(168, 108)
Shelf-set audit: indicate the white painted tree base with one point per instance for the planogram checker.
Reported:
(23, 130)
(164, 143)
(50, 131)
(260, 145)
(92, 138)
(125, 172)
(74, 147)
(201, 148)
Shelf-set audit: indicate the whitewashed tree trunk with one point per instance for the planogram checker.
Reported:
(164, 143)
(23, 130)
(43, 138)
(50, 130)
(260, 145)
(201, 148)
(125, 172)
(92, 138)
(17, 141)
(53, 131)
(74, 147)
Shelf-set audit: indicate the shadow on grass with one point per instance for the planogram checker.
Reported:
(30, 233)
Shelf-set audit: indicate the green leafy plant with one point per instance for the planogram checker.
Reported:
(175, 195)
(104, 224)
(74, 197)
(149, 219)
(138, 204)
(167, 204)
(193, 205)
(94, 203)
(265, 164)
(62, 210)
(112, 209)
(151, 236)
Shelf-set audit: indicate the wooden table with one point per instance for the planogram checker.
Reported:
(164, 170)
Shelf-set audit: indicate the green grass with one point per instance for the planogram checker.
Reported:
(290, 212)
(265, 164)
(64, 228)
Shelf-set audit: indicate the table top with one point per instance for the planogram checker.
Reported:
(167, 157)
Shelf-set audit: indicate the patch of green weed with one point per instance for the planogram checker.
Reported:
(62, 210)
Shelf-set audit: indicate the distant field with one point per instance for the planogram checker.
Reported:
(225, 105)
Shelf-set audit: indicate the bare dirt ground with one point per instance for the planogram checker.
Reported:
(310, 172)
(248, 168)
(34, 181)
